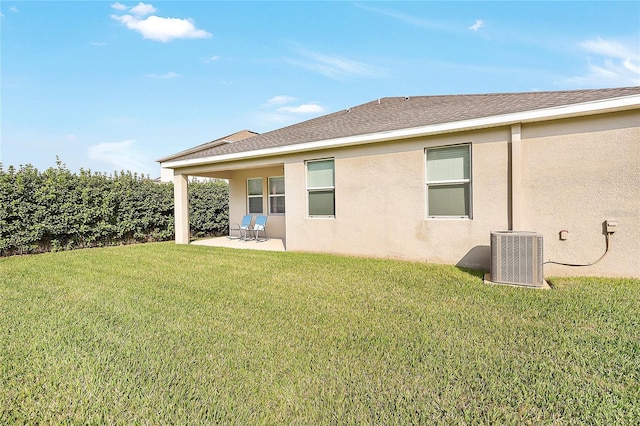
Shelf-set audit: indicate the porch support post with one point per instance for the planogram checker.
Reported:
(516, 177)
(181, 208)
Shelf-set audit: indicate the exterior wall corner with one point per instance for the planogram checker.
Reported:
(181, 208)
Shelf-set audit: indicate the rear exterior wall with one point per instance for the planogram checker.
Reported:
(577, 173)
(380, 199)
(238, 198)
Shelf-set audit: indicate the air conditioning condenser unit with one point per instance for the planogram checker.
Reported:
(516, 258)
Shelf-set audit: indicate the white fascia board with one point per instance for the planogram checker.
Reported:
(586, 108)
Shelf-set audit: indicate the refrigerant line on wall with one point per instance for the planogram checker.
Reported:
(586, 264)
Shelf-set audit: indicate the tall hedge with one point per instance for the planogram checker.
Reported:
(57, 209)
(208, 208)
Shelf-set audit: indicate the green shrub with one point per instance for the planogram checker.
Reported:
(59, 210)
(209, 208)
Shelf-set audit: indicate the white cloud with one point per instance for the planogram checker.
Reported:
(336, 67)
(632, 65)
(11, 9)
(98, 43)
(612, 48)
(142, 9)
(273, 119)
(118, 6)
(164, 76)
(211, 59)
(408, 19)
(302, 109)
(280, 100)
(121, 156)
(610, 63)
(477, 25)
(274, 112)
(157, 28)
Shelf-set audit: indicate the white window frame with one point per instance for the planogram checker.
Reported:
(458, 182)
(271, 196)
(261, 196)
(320, 188)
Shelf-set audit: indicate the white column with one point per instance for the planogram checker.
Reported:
(516, 177)
(181, 208)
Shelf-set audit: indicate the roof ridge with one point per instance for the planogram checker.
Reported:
(404, 112)
(530, 92)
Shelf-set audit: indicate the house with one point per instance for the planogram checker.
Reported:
(166, 174)
(428, 178)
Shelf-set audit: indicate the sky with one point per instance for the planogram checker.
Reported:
(111, 86)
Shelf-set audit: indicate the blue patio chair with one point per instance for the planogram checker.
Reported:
(241, 229)
(260, 226)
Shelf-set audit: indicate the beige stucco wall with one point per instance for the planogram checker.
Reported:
(574, 174)
(578, 173)
(381, 203)
(238, 197)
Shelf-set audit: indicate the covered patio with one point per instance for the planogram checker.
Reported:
(265, 176)
(270, 244)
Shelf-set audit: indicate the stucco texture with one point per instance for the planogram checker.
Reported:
(573, 175)
(381, 203)
(576, 174)
(238, 198)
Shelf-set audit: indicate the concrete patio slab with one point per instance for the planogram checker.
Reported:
(271, 244)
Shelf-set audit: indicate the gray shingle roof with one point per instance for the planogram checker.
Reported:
(237, 136)
(396, 113)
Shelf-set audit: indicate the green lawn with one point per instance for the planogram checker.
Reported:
(165, 334)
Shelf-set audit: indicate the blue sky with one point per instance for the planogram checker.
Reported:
(112, 86)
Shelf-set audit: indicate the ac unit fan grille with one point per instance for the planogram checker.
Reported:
(516, 258)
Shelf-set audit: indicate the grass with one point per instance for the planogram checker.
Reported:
(165, 334)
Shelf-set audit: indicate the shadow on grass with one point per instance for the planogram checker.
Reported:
(476, 273)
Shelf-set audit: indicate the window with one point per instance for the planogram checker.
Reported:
(254, 195)
(449, 181)
(276, 195)
(321, 188)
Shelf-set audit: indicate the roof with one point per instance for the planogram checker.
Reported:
(234, 137)
(397, 113)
